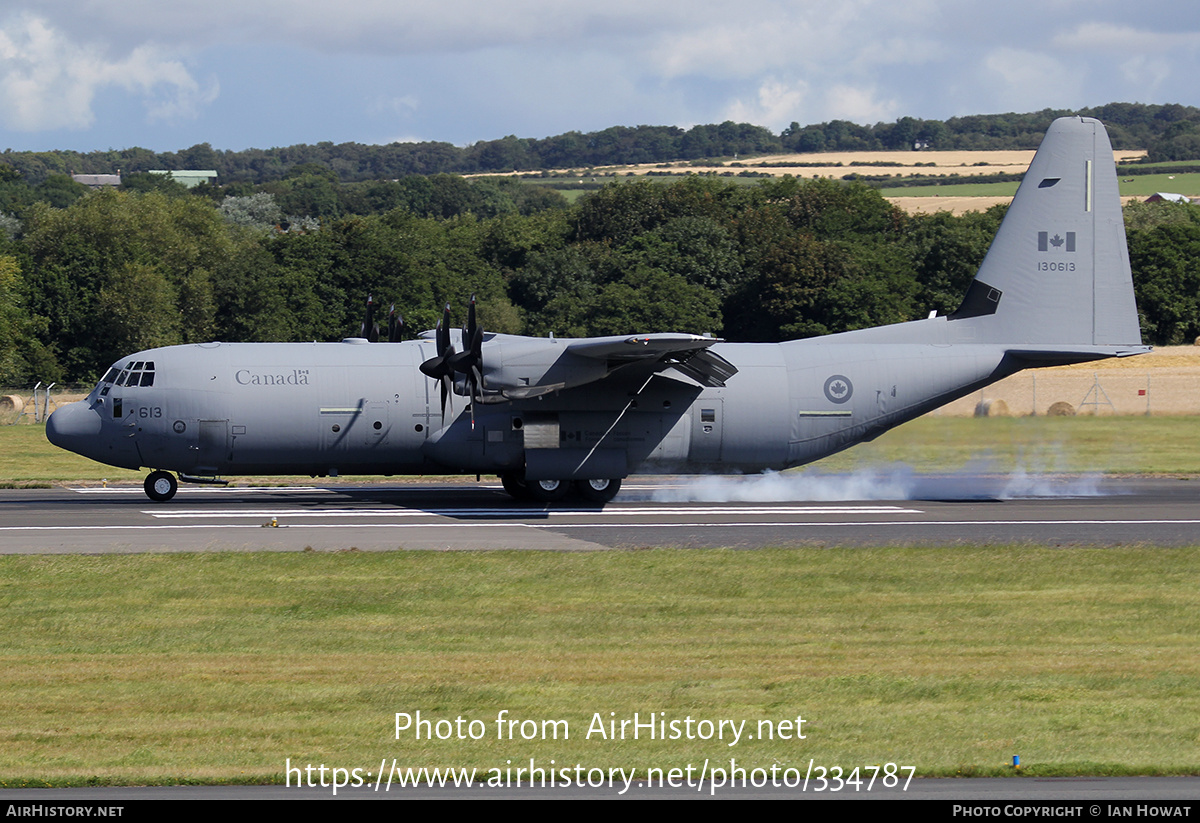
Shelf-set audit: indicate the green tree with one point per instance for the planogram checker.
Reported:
(1167, 282)
(60, 191)
(102, 244)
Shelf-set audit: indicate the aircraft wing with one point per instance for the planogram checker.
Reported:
(528, 367)
(686, 353)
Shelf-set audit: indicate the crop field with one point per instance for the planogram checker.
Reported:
(957, 197)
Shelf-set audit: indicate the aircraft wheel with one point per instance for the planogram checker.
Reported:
(600, 490)
(516, 487)
(548, 491)
(160, 486)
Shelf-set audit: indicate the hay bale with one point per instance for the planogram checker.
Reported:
(991, 408)
(1196, 342)
(1061, 409)
(11, 403)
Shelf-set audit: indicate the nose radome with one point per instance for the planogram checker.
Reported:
(72, 426)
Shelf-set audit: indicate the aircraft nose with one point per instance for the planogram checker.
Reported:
(72, 426)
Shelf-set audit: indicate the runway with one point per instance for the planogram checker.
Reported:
(663, 512)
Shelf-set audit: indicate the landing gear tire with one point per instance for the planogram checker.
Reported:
(548, 491)
(516, 487)
(598, 491)
(160, 486)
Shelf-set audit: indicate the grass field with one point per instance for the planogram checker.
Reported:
(218, 667)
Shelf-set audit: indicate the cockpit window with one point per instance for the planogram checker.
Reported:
(139, 373)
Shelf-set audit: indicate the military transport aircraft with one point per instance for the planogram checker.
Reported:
(551, 416)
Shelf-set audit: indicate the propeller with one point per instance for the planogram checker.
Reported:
(469, 361)
(438, 367)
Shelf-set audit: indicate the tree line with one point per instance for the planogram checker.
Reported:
(113, 272)
(1168, 132)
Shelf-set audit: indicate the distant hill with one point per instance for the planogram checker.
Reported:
(1169, 132)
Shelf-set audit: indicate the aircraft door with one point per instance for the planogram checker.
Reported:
(213, 449)
(707, 424)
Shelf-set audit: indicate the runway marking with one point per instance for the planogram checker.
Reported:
(510, 513)
(213, 489)
(203, 490)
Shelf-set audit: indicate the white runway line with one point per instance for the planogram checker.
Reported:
(509, 513)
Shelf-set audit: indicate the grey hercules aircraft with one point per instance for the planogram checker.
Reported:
(550, 416)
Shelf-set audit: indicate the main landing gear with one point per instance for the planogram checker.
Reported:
(550, 491)
(160, 486)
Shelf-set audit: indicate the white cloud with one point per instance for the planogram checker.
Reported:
(403, 105)
(776, 102)
(1119, 39)
(47, 81)
(1022, 80)
(1146, 72)
(859, 105)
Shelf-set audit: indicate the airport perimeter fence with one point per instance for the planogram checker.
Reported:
(33, 404)
(1076, 391)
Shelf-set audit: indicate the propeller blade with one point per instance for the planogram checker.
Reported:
(470, 327)
(445, 384)
(368, 329)
(395, 325)
(443, 332)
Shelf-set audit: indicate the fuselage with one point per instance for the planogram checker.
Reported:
(356, 408)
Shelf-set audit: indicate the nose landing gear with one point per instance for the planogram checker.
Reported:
(160, 486)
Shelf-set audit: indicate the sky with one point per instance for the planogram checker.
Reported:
(112, 74)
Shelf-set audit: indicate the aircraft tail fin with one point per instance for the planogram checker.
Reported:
(1057, 274)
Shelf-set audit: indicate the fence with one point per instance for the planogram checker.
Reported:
(1158, 388)
(25, 405)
